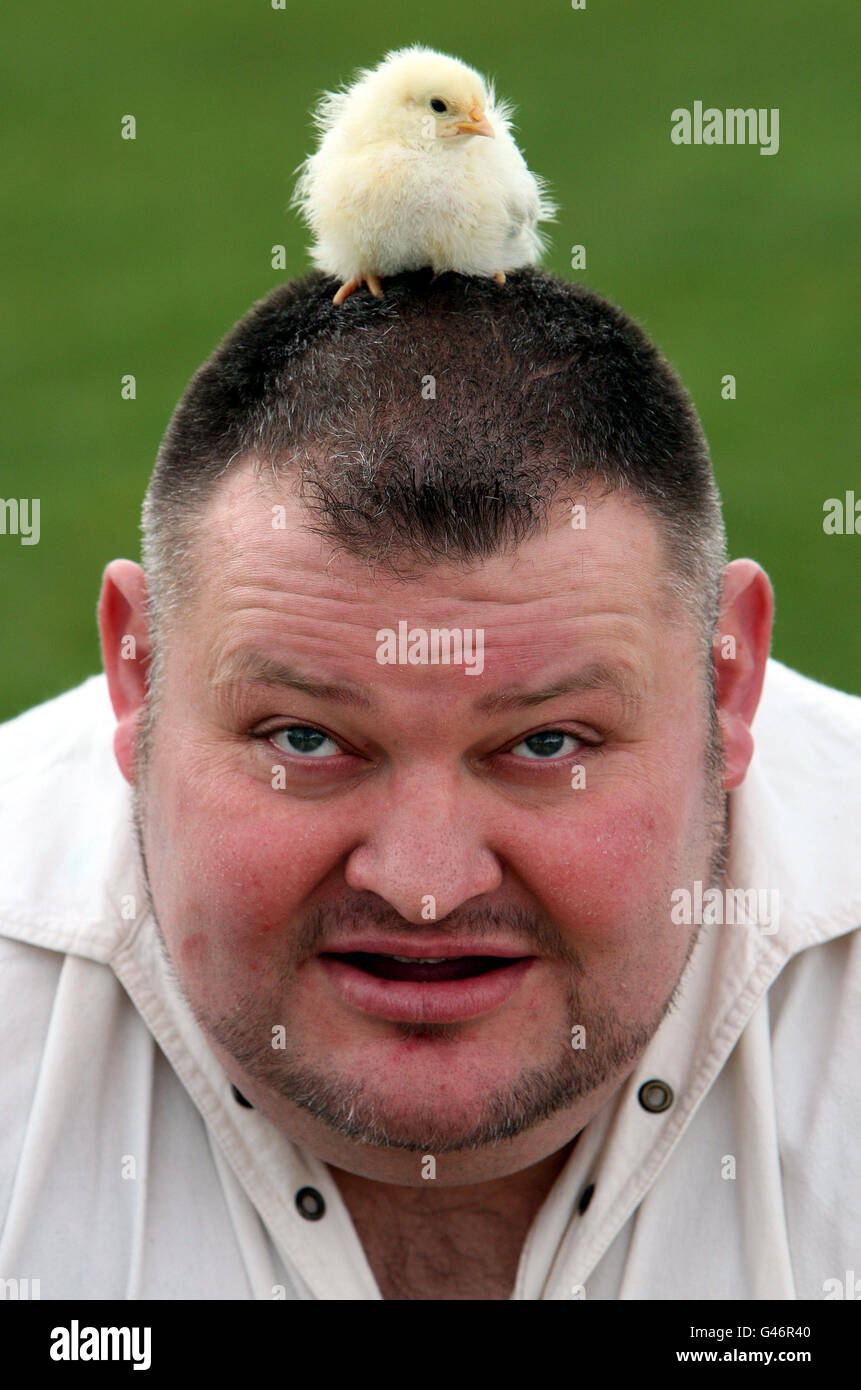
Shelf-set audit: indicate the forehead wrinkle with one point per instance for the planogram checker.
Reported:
(453, 603)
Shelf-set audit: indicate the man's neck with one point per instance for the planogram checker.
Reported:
(448, 1242)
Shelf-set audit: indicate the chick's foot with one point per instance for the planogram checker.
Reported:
(349, 286)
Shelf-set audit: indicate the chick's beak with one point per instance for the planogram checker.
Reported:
(478, 124)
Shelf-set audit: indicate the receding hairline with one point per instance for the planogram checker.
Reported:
(404, 565)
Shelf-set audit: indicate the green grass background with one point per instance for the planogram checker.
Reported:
(138, 256)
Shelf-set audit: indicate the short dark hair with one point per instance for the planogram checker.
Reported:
(438, 422)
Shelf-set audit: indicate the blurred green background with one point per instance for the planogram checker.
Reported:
(136, 257)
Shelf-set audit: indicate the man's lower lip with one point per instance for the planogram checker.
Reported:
(400, 1001)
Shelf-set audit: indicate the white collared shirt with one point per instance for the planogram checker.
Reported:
(129, 1170)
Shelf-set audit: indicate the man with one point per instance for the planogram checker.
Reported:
(425, 923)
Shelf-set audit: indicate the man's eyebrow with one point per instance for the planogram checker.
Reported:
(253, 669)
(256, 669)
(596, 677)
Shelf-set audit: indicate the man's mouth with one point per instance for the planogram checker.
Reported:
(429, 988)
(423, 969)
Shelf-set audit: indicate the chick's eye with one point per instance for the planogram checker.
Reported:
(437, 104)
(546, 745)
(303, 739)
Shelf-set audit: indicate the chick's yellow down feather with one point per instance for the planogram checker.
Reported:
(416, 166)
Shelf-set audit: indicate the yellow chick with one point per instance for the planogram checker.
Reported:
(416, 166)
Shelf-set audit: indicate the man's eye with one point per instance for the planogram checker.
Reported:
(547, 745)
(304, 739)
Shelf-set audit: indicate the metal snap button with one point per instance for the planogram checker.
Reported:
(655, 1096)
(310, 1203)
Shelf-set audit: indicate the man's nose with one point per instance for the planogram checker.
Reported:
(424, 851)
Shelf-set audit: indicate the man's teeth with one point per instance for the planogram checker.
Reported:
(423, 960)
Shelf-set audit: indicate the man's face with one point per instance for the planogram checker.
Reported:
(439, 814)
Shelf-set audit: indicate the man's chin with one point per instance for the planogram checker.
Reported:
(441, 1088)
(428, 1104)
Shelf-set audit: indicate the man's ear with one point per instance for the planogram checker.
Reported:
(126, 653)
(740, 652)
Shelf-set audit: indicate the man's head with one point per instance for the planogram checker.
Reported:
(439, 423)
(408, 467)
